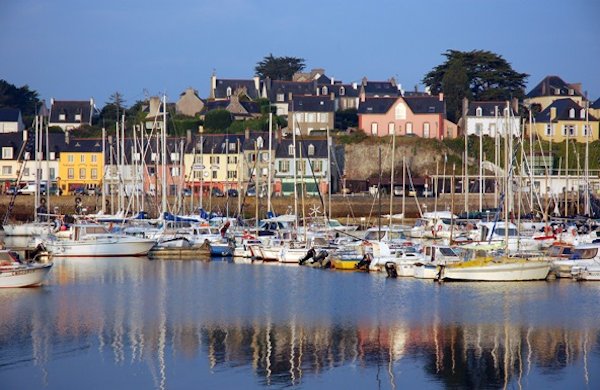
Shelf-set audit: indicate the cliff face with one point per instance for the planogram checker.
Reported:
(421, 156)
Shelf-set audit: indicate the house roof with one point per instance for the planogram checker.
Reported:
(312, 104)
(9, 114)
(487, 108)
(70, 108)
(320, 145)
(293, 87)
(380, 88)
(554, 86)
(563, 106)
(250, 107)
(425, 104)
(596, 104)
(235, 84)
(376, 105)
(349, 90)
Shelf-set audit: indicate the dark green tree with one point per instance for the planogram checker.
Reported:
(346, 118)
(279, 68)
(217, 120)
(489, 76)
(114, 108)
(455, 85)
(22, 98)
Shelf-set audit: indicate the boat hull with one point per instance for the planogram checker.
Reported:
(24, 276)
(27, 229)
(104, 248)
(498, 272)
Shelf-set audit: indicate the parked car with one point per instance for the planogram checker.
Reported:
(251, 191)
(232, 193)
(217, 192)
(11, 190)
(79, 191)
(186, 192)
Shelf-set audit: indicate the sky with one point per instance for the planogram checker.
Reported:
(77, 49)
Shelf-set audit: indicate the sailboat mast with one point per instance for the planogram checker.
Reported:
(392, 176)
(295, 171)
(270, 167)
(103, 188)
(164, 159)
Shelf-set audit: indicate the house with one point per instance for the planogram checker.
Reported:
(346, 96)
(81, 164)
(423, 116)
(11, 120)
(490, 118)
(239, 109)
(280, 92)
(552, 88)
(595, 108)
(316, 74)
(11, 145)
(311, 113)
(223, 89)
(565, 118)
(310, 164)
(70, 114)
(377, 89)
(189, 103)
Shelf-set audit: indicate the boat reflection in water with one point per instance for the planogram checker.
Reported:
(160, 324)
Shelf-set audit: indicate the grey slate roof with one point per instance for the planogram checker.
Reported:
(250, 107)
(293, 87)
(376, 105)
(235, 84)
(70, 109)
(548, 87)
(596, 104)
(312, 104)
(349, 90)
(563, 106)
(425, 104)
(320, 145)
(380, 88)
(487, 108)
(9, 114)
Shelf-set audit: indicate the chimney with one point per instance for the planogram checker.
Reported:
(257, 83)
(362, 97)
(441, 96)
(289, 96)
(188, 136)
(332, 95)
(354, 86)
(51, 102)
(67, 137)
(552, 113)
(332, 81)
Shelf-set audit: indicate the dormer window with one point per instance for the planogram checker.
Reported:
(232, 146)
(174, 157)
(324, 91)
(228, 91)
(280, 97)
(27, 156)
(571, 91)
(260, 142)
(478, 111)
(572, 113)
(557, 91)
(342, 91)
(77, 117)
(311, 150)
(582, 113)
(62, 117)
(291, 150)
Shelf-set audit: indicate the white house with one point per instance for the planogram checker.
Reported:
(11, 120)
(491, 119)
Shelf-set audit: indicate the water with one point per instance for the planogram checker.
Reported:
(136, 323)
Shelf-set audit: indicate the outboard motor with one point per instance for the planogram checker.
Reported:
(390, 269)
(321, 258)
(309, 255)
(364, 263)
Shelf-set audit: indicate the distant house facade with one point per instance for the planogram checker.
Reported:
(189, 103)
(310, 113)
(224, 89)
(422, 116)
(310, 165)
(566, 119)
(11, 120)
(70, 114)
(553, 88)
(490, 118)
(81, 164)
(379, 89)
(280, 93)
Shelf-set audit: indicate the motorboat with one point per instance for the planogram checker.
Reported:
(581, 256)
(14, 273)
(403, 260)
(435, 256)
(94, 240)
(29, 229)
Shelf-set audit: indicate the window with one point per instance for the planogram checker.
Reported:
(228, 92)
(52, 155)
(232, 174)
(264, 156)
(478, 112)
(70, 158)
(586, 129)
(7, 170)
(284, 166)
(95, 157)
(174, 157)
(311, 150)
(62, 117)
(197, 174)
(342, 91)
(571, 113)
(572, 130)
(7, 153)
(197, 159)
(374, 128)
(549, 129)
(52, 173)
(82, 158)
(232, 146)
(25, 171)
(151, 171)
(231, 159)
(251, 157)
(175, 171)
(82, 173)
(153, 157)
(214, 174)
(582, 114)
(260, 142)
(280, 97)
(299, 166)
(27, 156)
(71, 173)
(324, 91)
(426, 129)
(94, 174)
(400, 111)
(409, 129)
(391, 128)
(478, 128)
(317, 166)
(291, 150)
(77, 117)
(312, 117)
(214, 159)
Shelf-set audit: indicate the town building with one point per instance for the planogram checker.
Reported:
(553, 88)
(11, 120)
(311, 113)
(565, 119)
(71, 114)
(189, 103)
(492, 119)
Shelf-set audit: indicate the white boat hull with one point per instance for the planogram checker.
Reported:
(586, 273)
(27, 229)
(24, 276)
(426, 271)
(109, 247)
(291, 255)
(498, 272)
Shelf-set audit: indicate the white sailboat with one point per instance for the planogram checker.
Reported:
(16, 274)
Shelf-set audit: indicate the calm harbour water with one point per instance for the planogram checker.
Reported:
(136, 323)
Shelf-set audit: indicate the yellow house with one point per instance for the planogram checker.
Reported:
(81, 165)
(553, 88)
(563, 119)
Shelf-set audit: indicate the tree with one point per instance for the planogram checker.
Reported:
(489, 76)
(22, 98)
(217, 120)
(279, 68)
(346, 118)
(114, 108)
(455, 85)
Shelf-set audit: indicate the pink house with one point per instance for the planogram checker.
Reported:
(423, 116)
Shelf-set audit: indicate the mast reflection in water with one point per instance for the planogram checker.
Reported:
(121, 323)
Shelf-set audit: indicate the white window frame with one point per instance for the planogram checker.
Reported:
(391, 128)
(7, 153)
(374, 128)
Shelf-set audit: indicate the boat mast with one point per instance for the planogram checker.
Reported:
(103, 188)
(481, 181)
(329, 143)
(270, 168)
(392, 176)
(586, 165)
(164, 159)
(295, 170)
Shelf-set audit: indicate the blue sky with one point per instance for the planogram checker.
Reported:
(76, 49)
